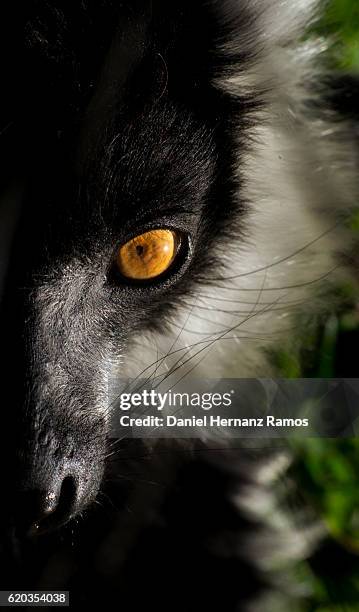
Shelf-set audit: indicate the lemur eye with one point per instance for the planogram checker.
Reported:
(148, 255)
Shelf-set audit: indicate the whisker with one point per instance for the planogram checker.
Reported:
(176, 367)
(283, 259)
(285, 287)
(245, 312)
(246, 303)
(170, 350)
(254, 336)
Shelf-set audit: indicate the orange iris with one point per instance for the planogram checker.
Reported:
(148, 255)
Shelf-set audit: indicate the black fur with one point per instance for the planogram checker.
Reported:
(111, 126)
(112, 123)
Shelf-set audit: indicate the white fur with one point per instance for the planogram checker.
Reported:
(299, 174)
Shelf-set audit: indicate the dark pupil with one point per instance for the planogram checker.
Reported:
(140, 250)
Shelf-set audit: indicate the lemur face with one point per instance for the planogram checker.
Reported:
(165, 167)
(119, 190)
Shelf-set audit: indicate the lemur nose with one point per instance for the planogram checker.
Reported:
(39, 511)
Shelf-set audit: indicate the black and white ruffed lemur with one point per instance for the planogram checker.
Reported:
(175, 183)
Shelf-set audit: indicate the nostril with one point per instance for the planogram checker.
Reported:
(41, 511)
(64, 506)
